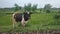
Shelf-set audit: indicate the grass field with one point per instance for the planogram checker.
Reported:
(41, 21)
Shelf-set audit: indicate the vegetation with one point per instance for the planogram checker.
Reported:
(39, 20)
(17, 8)
(47, 8)
(42, 21)
(34, 7)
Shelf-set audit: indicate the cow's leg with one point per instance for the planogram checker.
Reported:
(14, 22)
(23, 23)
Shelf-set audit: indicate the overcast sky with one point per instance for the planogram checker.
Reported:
(41, 3)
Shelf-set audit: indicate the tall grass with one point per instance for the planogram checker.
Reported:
(42, 21)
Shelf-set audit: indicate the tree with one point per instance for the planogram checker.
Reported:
(34, 7)
(59, 10)
(17, 7)
(27, 7)
(47, 8)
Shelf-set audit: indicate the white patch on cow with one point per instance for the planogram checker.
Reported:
(23, 21)
(13, 14)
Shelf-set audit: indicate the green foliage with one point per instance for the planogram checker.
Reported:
(36, 23)
(56, 20)
(5, 20)
(47, 11)
(34, 7)
(17, 7)
(57, 16)
(47, 8)
(27, 7)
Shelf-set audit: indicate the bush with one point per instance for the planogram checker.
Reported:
(47, 11)
(57, 16)
(57, 19)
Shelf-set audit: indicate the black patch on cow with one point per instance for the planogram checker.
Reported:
(26, 16)
(18, 17)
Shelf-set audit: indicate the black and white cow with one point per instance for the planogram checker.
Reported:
(21, 17)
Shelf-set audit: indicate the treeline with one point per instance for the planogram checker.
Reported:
(29, 7)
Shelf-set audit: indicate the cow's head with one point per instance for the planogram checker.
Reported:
(27, 14)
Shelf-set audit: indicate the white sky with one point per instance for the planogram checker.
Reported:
(41, 3)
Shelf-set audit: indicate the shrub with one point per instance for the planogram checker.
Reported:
(57, 16)
(47, 11)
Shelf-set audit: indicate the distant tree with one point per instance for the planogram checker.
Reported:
(40, 10)
(47, 8)
(28, 7)
(17, 7)
(34, 7)
(59, 10)
(25, 7)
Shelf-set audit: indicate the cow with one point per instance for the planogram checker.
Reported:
(21, 17)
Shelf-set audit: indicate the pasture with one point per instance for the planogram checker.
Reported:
(38, 22)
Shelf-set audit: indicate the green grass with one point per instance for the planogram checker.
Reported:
(5, 20)
(42, 21)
